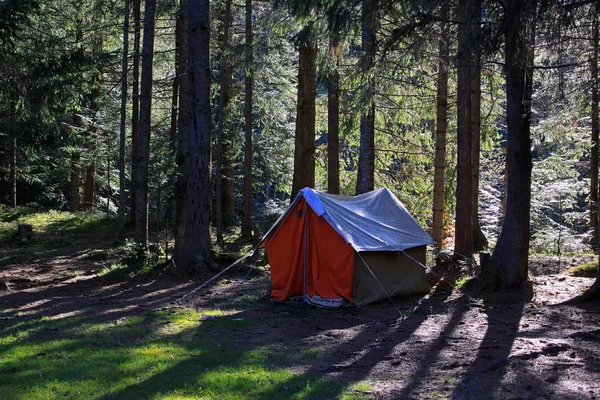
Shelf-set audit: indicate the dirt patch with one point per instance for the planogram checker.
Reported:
(446, 345)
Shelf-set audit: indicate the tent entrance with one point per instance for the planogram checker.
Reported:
(309, 258)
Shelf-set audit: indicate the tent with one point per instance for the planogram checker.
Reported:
(332, 249)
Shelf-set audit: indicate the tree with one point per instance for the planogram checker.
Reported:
(248, 83)
(479, 239)
(365, 180)
(123, 125)
(223, 100)
(92, 137)
(304, 149)
(141, 207)
(595, 129)
(75, 166)
(135, 103)
(511, 254)
(183, 117)
(594, 292)
(195, 252)
(333, 114)
(441, 127)
(463, 233)
(13, 133)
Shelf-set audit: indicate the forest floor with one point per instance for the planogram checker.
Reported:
(73, 326)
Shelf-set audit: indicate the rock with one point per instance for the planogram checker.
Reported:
(552, 350)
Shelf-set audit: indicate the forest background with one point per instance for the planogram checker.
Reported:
(198, 113)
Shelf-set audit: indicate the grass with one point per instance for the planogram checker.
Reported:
(53, 228)
(168, 354)
(587, 270)
(157, 355)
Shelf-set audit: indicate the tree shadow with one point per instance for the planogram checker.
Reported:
(485, 374)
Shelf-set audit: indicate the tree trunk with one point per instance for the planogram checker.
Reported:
(223, 100)
(365, 180)
(195, 252)
(463, 227)
(595, 130)
(135, 103)
(304, 142)
(90, 169)
(90, 174)
(227, 156)
(479, 240)
(593, 293)
(75, 168)
(511, 254)
(171, 200)
(182, 126)
(123, 126)
(141, 207)
(333, 116)
(441, 128)
(249, 66)
(12, 176)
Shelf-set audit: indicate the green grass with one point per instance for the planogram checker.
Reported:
(157, 355)
(461, 281)
(588, 270)
(53, 228)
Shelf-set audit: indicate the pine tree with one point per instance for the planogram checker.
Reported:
(304, 149)
(333, 114)
(365, 180)
(123, 125)
(141, 208)
(463, 233)
(195, 252)
(248, 85)
(511, 254)
(441, 127)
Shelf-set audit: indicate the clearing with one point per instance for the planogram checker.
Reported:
(75, 324)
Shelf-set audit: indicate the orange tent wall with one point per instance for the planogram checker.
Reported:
(330, 267)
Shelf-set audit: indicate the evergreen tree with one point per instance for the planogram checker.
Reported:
(143, 145)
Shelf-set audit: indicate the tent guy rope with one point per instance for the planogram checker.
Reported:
(249, 254)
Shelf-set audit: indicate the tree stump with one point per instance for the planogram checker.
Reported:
(24, 230)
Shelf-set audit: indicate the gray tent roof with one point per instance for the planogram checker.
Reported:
(368, 222)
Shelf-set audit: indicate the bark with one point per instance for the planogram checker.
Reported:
(123, 126)
(195, 253)
(593, 293)
(75, 169)
(463, 230)
(182, 127)
(141, 207)
(365, 180)
(171, 201)
(249, 66)
(333, 116)
(595, 130)
(90, 168)
(304, 142)
(441, 128)
(12, 175)
(479, 240)
(223, 100)
(510, 256)
(135, 103)
(90, 174)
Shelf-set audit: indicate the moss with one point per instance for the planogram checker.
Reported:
(587, 270)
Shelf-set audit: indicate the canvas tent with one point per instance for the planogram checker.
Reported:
(359, 249)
